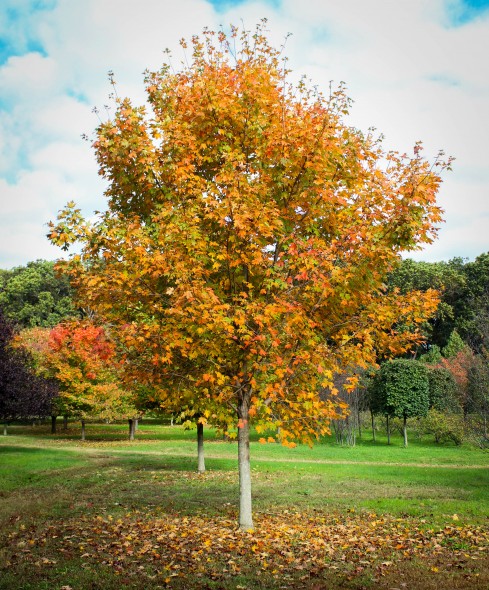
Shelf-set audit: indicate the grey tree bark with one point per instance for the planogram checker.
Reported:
(83, 429)
(404, 431)
(132, 428)
(245, 511)
(200, 448)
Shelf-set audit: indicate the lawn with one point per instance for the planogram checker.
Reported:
(109, 514)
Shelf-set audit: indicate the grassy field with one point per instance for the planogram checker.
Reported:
(109, 514)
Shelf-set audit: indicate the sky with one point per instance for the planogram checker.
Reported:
(415, 69)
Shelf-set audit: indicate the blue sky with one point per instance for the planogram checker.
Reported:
(416, 69)
(468, 10)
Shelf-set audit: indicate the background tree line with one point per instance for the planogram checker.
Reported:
(54, 360)
(445, 380)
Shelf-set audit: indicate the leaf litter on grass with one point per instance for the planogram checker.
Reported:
(288, 547)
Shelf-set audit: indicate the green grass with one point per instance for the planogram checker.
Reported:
(48, 479)
(424, 479)
(27, 466)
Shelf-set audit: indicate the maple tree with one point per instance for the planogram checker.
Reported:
(80, 357)
(246, 243)
(35, 342)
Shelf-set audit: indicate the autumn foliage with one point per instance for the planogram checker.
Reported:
(248, 234)
(80, 357)
(459, 366)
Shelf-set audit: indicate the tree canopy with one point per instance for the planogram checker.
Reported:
(247, 239)
(464, 291)
(35, 295)
(442, 390)
(401, 389)
(79, 357)
(22, 393)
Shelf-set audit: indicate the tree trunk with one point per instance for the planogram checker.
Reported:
(404, 430)
(245, 513)
(53, 424)
(83, 430)
(388, 430)
(200, 448)
(131, 429)
(65, 422)
(4, 429)
(373, 425)
(359, 423)
(136, 424)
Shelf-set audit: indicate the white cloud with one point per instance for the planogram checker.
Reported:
(25, 209)
(23, 242)
(457, 240)
(34, 194)
(72, 160)
(35, 198)
(92, 37)
(30, 75)
(64, 117)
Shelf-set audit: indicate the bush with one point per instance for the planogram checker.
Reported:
(476, 431)
(444, 427)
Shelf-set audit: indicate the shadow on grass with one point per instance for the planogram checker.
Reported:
(36, 457)
(24, 467)
(21, 450)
